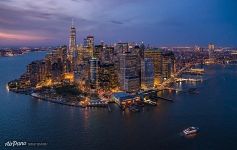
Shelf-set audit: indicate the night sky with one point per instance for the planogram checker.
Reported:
(156, 22)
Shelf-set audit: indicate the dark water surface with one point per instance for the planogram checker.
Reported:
(213, 110)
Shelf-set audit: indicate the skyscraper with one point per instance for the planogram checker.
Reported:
(211, 49)
(122, 47)
(147, 74)
(89, 44)
(142, 47)
(97, 53)
(156, 56)
(72, 43)
(94, 66)
(167, 65)
(57, 70)
(128, 76)
(108, 54)
(108, 78)
(137, 51)
(62, 52)
(36, 72)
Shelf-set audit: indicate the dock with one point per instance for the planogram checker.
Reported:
(172, 89)
(188, 79)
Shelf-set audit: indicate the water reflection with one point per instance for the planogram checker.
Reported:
(86, 115)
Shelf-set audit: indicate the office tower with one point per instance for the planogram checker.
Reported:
(57, 70)
(167, 65)
(62, 54)
(197, 48)
(82, 78)
(82, 75)
(211, 49)
(83, 54)
(137, 51)
(108, 54)
(142, 47)
(122, 48)
(156, 56)
(128, 77)
(72, 43)
(58, 55)
(147, 74)
(89, 45)
(36, 72)
(48, 65)
(116, 58)
(211, 46)
(98, 50)
(94, 66)
(108, 78)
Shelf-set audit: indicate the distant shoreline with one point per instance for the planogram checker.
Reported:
(14, 53)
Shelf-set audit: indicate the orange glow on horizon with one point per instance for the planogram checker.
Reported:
(21, 37)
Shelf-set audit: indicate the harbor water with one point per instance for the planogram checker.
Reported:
(213, 109)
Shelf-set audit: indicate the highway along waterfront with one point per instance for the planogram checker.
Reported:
(213, 109)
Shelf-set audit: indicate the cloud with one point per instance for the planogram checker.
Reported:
(53, 17)
(21, 37)
(116, 22)
(151, 20)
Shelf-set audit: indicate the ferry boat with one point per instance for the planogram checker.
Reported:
(35, 95)
(190, 130)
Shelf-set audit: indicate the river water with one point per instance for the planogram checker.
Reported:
(213, 110)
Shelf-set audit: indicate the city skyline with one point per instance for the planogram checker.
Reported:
(158, 23)
(118, 74)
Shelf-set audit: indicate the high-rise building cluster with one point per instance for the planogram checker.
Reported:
(127, 67)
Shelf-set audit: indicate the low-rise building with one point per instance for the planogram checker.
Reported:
(123, 98)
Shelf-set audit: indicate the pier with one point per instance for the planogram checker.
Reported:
(188, 79)
(97, 104)
(195, 71)
(171, 89)
(153, 94)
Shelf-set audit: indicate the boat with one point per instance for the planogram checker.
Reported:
(150, 102)
(35, 95)
(191, 130)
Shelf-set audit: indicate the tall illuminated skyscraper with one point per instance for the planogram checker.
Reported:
(122, 47)
(156, 56)
(89, 43)
(211, 49)
(147, 74)
(72, 43)
(128, 76)
(108, 78)
(94, 66)
(167, 65)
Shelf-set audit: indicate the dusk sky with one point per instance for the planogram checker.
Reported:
(156, 22)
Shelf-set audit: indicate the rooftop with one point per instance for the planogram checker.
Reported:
(122, 96)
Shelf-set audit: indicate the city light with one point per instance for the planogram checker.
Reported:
(92, 75)
(69, 76)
